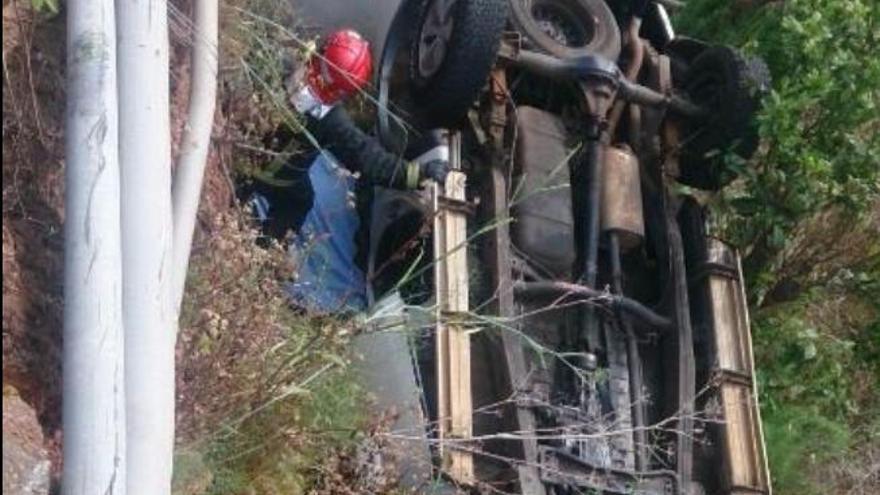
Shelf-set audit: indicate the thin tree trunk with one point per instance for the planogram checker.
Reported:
(93, 391)
(190, 170)
(150, 324)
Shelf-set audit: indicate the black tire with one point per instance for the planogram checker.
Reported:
(443, 99)
(731, 86)
(594, 16)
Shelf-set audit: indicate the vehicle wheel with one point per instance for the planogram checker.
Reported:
(568, 28)
(731, 86)
(452, 54)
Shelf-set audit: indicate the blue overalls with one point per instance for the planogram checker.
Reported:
(327, 278)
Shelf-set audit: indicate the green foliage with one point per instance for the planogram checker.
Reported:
(798, 441)
(191, 474)
(46, 6)
(820, 126)
(281, 449)
(801, 365)
(817, 357)
(817, 375)
(868, 341)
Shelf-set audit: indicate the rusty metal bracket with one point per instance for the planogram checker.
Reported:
(456, 205)
(721, 375)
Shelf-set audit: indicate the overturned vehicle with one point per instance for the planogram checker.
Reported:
(581, 331)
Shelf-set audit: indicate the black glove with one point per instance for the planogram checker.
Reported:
(358, 151)
(432, 158)
(436, 170)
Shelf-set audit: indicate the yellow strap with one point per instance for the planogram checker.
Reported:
(412, 175)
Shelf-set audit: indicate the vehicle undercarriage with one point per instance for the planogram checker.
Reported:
(600, 343)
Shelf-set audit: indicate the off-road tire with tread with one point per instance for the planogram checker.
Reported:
(730, 85)
(605, 42)
(444, 99)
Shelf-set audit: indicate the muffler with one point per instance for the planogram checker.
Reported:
(622, 197)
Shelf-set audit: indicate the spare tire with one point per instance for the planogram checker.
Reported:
(731, 86)
(568, 28)
(452, 53)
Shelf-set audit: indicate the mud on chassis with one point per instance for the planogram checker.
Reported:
(615, 354)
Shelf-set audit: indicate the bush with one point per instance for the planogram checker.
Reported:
(802, 365)
(805, 213)
(820, 127)
(800, 442)
(265, 397)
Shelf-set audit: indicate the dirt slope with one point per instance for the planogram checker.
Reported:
(33, 203)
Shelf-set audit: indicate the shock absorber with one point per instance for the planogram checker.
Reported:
(598, 81)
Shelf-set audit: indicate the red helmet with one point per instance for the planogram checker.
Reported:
(341, 67)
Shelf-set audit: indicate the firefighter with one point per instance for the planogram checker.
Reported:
(316, 199)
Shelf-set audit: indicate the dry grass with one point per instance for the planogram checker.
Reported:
(265, 397)
(266, 403)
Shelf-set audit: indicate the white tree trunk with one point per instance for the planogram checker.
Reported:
(93, 407)
(190, 170)
(150, 325)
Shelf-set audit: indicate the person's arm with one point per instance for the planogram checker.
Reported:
(339, 70)
(360, 152)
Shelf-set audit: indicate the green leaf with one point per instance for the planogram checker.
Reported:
(48, 6)
(809, 350)
(777, 237)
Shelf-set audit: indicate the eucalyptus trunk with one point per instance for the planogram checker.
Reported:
(190, 172)
(93, 411)
(150, 319)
